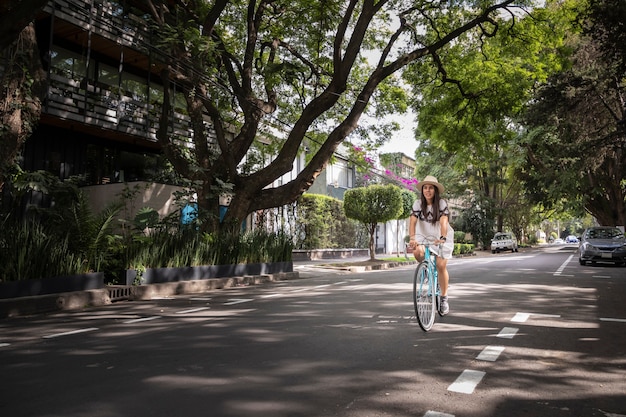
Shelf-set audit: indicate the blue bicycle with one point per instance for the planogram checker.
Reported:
(426, 291)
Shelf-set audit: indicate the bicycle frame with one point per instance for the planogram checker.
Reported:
(426, 291)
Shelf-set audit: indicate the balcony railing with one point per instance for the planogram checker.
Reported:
(103, 18)
(103, 106)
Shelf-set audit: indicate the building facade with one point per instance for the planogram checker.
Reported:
(103, 103)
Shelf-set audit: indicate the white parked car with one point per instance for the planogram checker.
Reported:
(503, 241)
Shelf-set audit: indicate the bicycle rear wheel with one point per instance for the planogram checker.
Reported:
(424, 297)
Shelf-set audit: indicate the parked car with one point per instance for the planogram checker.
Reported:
(503, 241)
(571, 239)
(602, 244)
(558, 241)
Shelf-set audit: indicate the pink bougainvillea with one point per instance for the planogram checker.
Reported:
(367, 165)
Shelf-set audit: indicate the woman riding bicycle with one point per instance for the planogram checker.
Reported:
(426, 221)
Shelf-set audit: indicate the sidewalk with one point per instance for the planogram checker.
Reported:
(24, 306)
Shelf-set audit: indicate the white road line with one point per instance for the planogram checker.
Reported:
(271, 295)
(90, 329)
(614, 320)
(141, 319)
(200, 299)
(437, 414)
(322, 286)
(600, 276)
(233, 301)
(467, 381)
(4, 345)
(554, 316)
(490, 353)
(563, 265)
(192, 310)
(520, 317)
(508, 332)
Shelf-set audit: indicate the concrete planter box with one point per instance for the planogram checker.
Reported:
(54, 285)
(191, 273)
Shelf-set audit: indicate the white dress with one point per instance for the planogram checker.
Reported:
(427, 231)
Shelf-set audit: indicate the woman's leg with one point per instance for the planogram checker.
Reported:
(442, 272)
(418, 252)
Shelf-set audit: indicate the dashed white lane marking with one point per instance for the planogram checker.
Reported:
(563, 265)
(141, 319)
(611, 319)
(437, 414)
(490, 353)
(4, 345)
(467, 381)
(507, 332)
(89, 329)
(234, 301)
(192, 310)
(520, 317)
(601, 276)
(200, 298)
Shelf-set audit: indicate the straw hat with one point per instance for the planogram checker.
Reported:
(432, 181)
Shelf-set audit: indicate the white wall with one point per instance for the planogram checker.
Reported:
(157, 196)
(392, 234)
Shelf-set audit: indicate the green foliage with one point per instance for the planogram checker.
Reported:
(320, 223)
(459, 237)
(575, 134)
(408, 198)
(191, 248)
(30, 250)
(477, 220)
(63, 238)
(469, 118)
(372, 205)
(462, 248)
(68, 238)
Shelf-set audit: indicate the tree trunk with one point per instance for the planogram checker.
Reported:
(23, 88)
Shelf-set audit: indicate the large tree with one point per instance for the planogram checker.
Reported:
(372, 205)
(468, 116)
(292, 73)
(21, 77)
(577, 135)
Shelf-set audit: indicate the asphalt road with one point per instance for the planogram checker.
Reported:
(529, 334)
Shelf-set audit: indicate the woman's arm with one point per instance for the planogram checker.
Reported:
(412, 225)
(443, 224)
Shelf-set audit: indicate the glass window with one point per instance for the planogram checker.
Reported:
(108, 75)
(68, 64)
(341, 174)
(134, 86)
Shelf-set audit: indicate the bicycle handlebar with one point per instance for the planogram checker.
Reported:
(428, 240)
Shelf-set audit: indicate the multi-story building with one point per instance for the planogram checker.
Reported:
(103, 102)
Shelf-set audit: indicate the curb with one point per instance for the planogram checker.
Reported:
(26, 306)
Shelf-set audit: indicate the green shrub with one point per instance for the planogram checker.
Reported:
(191, 248)
(319, 222)
(459, 237)
(29, 250)
(462, 248)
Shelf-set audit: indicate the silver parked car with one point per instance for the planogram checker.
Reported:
(602, 244)
(503, 241)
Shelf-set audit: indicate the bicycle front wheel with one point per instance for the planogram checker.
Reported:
(424, 297)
